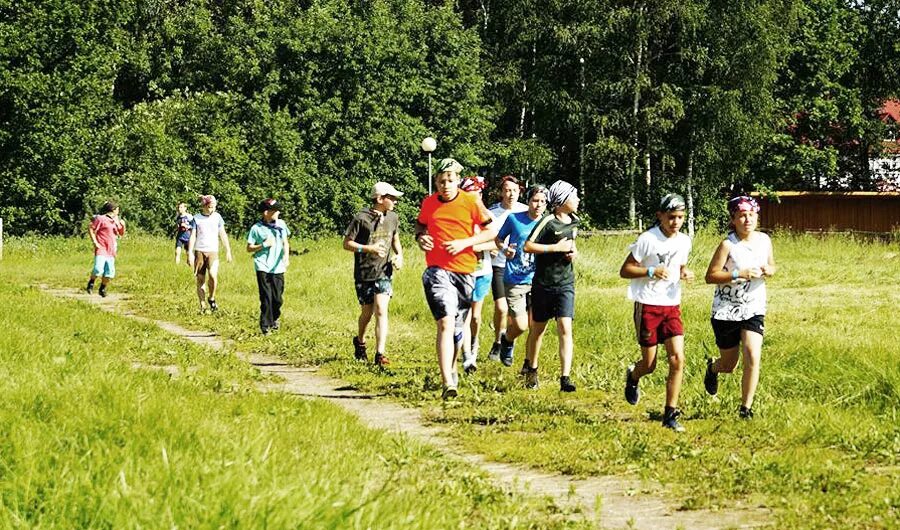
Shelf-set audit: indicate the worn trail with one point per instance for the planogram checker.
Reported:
(622, 502)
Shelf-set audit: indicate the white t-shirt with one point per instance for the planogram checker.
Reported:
(500, 213)
(483, 268)
(743, 299)
(207, 230)
(654, 249)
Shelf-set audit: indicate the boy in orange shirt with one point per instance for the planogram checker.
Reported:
(445, 230)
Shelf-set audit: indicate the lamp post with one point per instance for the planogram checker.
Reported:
(428, 145)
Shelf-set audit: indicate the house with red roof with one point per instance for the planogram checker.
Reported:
(885, 169)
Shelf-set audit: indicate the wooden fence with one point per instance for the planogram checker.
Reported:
(858, 211)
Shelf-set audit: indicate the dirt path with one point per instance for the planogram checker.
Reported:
(622, 501)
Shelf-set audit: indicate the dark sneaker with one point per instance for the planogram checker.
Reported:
(531, 378)
(494, 354)
(90, 288)
(470, 369)
(102, 291)
(381, 360)
(265, 331)
(566, 384)
(632, 392)
(745, 413)
(359, 350)
(670, 420)
(525, 368)
(711, 379)
(213, 306)
(449, 393)
(276, 325)
(506, 351)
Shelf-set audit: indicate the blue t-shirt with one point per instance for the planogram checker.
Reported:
(269, 259)
(520, 268)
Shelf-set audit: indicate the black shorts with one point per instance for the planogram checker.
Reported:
(498, 289)
(552, 302)
(728, 332)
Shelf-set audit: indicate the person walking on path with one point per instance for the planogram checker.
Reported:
(105, 230)
(183, 222)
(509, 204)
(656, 264)
(553, 288)
(483, 276)
(517, 278)
(374, 238)
(203, 251)
(268, 242)
(445, 231)
(739, 268)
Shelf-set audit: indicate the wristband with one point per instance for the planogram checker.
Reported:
(650, 271)
(735, 274)
(359, 249)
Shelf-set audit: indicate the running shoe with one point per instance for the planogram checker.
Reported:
(670, 420)
(381, 360)
(102, 291)
(449, 393)
(470, 369)
(531, 378)
(506, 350)
(745, 413)
(494, 354)
(711, 379)
(632, 392)
(359, 350)
(90, 288)
(213, 306)
(566, 384)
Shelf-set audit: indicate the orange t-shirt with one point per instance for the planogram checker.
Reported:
(448, 221)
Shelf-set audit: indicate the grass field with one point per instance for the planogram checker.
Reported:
(822, 452)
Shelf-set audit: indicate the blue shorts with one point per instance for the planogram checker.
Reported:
(482, 286)
(366, 291)
(104, 266)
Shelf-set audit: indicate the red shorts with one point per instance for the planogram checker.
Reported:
(656, 323)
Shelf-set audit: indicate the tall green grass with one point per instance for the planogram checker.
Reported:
(823, 450)
(90, 441)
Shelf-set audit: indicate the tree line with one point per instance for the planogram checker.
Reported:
(153, 102)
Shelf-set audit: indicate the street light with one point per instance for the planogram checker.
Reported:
(428, 145)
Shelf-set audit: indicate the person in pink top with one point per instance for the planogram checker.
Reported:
(105, 230)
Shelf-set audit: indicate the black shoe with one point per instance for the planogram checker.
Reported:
(745, 413)
(565, 384)
(531, 378)
(102, 291)
(90, 287)
(494, 354)
(470, 369)
(670, 420)
(506, 350)
(632, 392)
(380, 360)
(449, 392)
(265, 331)
(213, 306)
(525, 368)
(711, 379)
(359, 350)
(276, 326)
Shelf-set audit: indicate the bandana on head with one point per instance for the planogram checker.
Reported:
(671, 203)
(473, 183)
(448, 164)
(559, 193)
(743, 203)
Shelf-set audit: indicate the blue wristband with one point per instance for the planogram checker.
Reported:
(359, 249)
(650, 271)
(734, 274)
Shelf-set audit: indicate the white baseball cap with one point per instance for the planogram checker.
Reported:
(383, 188)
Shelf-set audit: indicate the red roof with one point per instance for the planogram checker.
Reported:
(890, 111)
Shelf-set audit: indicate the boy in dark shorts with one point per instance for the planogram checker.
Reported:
(183, 222)
(553, 288)
(656, 264)
(374, 238)
(445, 231)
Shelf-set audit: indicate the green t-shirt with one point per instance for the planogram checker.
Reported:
(553, 269)
(269, 259)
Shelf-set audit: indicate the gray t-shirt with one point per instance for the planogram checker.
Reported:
(370, 227)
